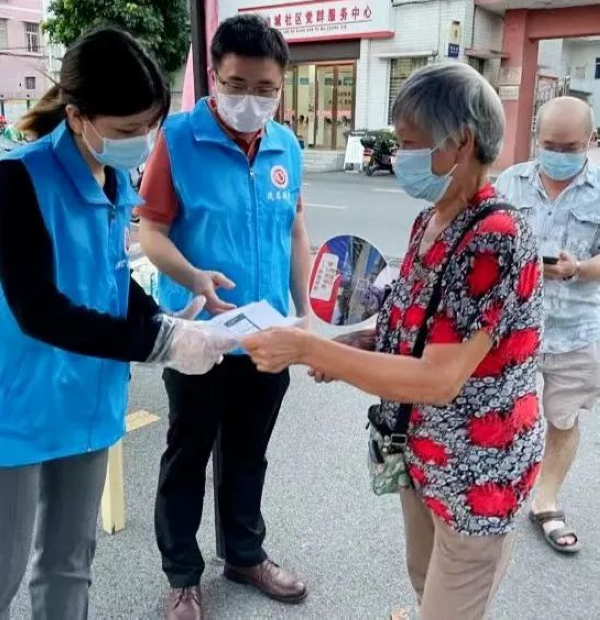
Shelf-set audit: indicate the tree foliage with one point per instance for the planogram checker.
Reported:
(161, 25)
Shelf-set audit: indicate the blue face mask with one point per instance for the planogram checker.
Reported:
(561, 166)
(124, 154)
(414, 174)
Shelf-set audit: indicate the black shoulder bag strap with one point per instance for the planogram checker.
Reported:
(395, 439)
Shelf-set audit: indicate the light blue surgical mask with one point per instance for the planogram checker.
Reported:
(413, 169)
(561, 166)
(124, 153)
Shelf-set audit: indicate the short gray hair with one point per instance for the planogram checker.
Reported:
(447, 99)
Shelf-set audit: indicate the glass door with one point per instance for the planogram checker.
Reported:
(318, 104)
(289, 99)
(325, 107)
(305, 107)
(346, 95)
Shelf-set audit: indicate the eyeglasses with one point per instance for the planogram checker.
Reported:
(229, 88)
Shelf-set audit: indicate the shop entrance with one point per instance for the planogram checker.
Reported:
(319, 102)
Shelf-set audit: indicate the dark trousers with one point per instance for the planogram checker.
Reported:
(244, 404)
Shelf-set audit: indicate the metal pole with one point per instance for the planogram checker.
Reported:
(199, 45)
(198, 11)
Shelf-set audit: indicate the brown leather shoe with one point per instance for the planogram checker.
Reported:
(184, 604)
(270, 579)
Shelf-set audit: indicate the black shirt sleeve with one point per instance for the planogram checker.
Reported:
(140, 304)
(40, 309)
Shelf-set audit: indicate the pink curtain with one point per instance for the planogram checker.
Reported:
(212, 21)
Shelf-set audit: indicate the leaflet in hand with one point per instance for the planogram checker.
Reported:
(251, 319)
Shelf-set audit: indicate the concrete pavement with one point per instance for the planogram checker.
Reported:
(372, 207)
(325, 524)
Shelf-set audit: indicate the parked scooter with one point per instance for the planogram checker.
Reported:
(382, 147)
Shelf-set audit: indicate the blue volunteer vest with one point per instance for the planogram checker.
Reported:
(234, 217)
(54, 403)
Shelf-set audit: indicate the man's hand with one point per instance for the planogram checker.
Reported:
(563, 270)
(206, 284)
(192, 310)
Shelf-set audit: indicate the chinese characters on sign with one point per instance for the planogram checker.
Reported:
(454, 38)
(325, 278)
(307, 18)
(453, 50)
(329, 19)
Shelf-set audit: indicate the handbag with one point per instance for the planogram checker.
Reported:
(386, 460)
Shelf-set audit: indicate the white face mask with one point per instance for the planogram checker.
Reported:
(246, 113)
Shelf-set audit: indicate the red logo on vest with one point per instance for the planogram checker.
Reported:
(279, 177)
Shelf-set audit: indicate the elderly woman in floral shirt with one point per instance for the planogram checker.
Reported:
(475, 436)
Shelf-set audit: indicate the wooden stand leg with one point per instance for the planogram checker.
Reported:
(217, 454)
(113, 499)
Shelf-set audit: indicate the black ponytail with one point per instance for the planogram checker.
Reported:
(43, 118)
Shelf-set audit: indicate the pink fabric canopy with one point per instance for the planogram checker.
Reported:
(212, 21)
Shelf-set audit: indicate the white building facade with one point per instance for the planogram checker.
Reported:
(349, 57)
(576, 62)
(28, 63)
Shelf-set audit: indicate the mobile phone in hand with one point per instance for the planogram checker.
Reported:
(550, 260)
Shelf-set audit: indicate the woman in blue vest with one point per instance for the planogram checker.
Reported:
(71, 318)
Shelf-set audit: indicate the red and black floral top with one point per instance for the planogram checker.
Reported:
(474, 461)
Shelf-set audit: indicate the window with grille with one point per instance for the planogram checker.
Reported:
(401, 68)
(32, 34)
(30, 83)
(478, 64)
(3, 34)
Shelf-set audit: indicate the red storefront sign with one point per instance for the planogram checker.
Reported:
(329, 19)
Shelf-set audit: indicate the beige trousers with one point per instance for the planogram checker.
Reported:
(570, 384)
(454, 575)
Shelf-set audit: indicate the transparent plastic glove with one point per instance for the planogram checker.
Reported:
(187, 346)
(196, 347)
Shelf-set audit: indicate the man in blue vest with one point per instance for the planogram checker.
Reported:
(223, 212)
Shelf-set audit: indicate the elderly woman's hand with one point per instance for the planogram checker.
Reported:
(319, 376)
(364, 340)
(275, 350)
